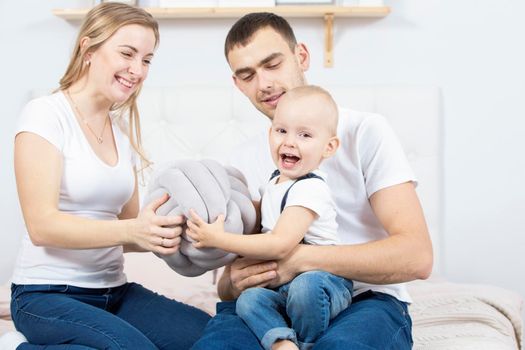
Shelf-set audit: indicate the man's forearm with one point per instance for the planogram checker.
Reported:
(391, 260)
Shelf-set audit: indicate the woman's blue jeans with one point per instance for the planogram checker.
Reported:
(124, 317)
(373, 321)
(299, 311)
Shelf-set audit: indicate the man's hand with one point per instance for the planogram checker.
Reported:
(289, 267)
(245, 273)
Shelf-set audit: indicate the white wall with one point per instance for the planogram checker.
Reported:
(472, 49)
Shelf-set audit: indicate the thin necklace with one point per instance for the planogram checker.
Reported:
(99, 138)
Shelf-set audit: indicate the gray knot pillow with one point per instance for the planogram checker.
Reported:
(210, 189)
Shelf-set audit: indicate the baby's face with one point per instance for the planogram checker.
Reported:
(298, 137)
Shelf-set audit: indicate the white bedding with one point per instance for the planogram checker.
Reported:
(465, 316)
(5, 315)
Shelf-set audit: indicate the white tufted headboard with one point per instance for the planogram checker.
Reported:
(207, 121)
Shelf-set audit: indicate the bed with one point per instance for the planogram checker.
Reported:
(196, 121)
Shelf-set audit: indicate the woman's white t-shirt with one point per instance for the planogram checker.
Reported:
(89, 188)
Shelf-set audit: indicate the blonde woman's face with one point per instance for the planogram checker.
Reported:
(121, 64)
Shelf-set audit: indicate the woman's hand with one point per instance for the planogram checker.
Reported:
(158, 234)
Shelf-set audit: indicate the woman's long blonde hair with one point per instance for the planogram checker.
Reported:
(100, 24)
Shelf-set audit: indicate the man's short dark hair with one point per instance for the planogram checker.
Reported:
(242, 31)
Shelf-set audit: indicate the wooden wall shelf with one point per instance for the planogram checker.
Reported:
(311, 11)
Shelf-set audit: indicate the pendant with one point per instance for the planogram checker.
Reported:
(100, 140)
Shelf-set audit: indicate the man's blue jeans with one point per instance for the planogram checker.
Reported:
(299, 311)
(373, 321)
(124, 317)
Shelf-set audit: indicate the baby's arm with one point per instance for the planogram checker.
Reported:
(289, 230)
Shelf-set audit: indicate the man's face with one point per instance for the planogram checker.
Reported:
(266, 68)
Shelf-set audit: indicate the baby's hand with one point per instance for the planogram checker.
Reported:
(204, 234)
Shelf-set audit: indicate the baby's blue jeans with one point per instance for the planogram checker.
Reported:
(299, 311)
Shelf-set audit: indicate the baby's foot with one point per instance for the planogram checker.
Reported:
(284, 345)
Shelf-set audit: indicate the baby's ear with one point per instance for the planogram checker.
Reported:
(331, 146)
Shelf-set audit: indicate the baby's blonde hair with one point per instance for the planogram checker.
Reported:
(330, 112)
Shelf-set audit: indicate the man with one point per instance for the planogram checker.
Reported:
(386, 241)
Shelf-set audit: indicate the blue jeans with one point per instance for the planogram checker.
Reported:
(299, 311)
(373, 321)
(125, 317)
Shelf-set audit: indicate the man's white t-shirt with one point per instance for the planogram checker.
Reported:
(313, 194)
(89, 188)
(370, 158)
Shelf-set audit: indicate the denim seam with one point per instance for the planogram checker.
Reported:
(70, 322)
(399, 304)
(396, 335)
(106, 304)
(326, 308)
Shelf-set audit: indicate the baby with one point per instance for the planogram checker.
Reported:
(296, 207)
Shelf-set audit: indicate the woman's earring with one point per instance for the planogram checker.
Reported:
(87, 62)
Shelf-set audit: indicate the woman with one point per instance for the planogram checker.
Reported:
(75, 162)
